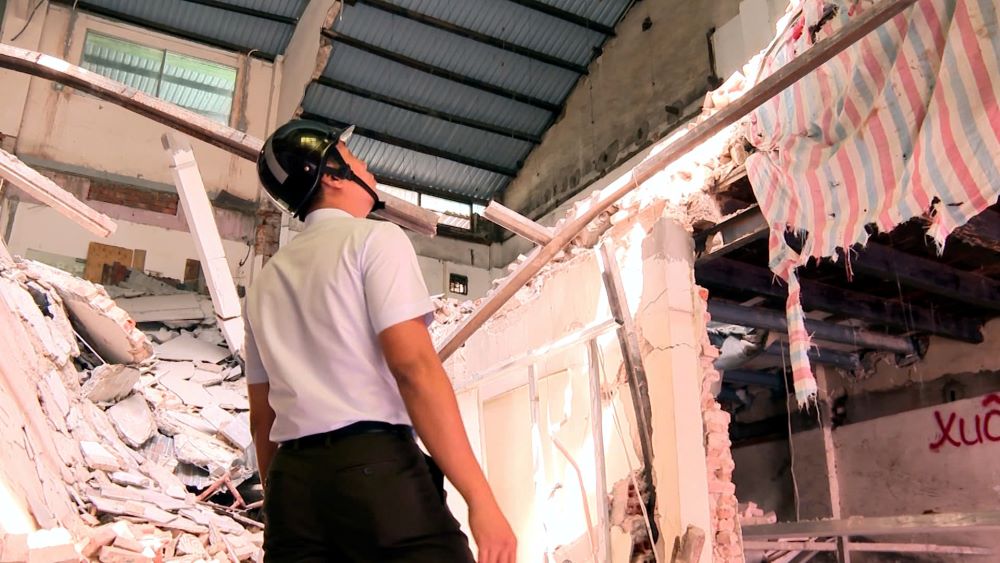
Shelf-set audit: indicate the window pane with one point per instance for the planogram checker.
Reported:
(201, 86)
(131, 64)
(446, 206)
(407, 195)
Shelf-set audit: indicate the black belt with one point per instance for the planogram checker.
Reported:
(363, 427)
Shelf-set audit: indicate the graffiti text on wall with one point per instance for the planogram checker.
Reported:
(958, 431)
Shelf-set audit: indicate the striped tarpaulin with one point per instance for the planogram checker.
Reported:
(903, 124)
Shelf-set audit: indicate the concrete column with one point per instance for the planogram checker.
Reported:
(671, 352)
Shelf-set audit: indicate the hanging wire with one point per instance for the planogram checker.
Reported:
(791, 442)
(31, 16)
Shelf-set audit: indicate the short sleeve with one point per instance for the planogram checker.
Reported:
(254, 368)
(394, 287)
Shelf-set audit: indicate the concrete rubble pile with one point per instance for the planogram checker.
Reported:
(751, 515)
(128, 439)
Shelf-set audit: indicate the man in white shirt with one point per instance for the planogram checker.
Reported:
(339, 364)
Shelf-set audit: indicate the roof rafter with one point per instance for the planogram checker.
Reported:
(449, 27)
(424, 110)
(570, 17)
(414, 146)
(245, 11)
(443, 73)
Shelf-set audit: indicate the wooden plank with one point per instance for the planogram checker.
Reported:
(928, 275)
(100, 255)
(730, 274)
(185, 121)
(517, 223)
(790, 545)
(48, 192)
(635, 369)
(201, 220)
(600, 465)
(139, 260)
(879, 525)
(668, 152)
(756, 317)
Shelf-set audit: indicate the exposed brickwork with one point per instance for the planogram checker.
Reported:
(137, 198)
(268, 232)
(726, 538)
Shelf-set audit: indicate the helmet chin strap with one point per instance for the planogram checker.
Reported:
(377, 203)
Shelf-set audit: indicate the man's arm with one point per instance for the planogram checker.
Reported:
(430, 401)
(261, 420)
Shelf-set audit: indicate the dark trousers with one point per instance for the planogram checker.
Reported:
(371, 497)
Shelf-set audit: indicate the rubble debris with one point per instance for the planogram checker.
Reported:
(751, 515)
(189, 347)
(110, 382)
(130, 437)
(176, 307)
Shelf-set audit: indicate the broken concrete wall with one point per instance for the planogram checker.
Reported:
(569, 296)
(655, 67)
(305, 56)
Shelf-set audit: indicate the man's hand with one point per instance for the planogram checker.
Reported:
(493, 534)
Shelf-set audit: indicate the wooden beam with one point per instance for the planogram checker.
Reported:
(33, 183)
(635, 369)
(730, 274)
(517, 223)
(747, 377)
(928, 275)
(669, 152)
(600, 463)
(201, 220)
(879, 525)
(982, 231)
(198, 126)
(755, 317)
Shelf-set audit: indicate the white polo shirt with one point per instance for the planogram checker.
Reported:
(313, 317)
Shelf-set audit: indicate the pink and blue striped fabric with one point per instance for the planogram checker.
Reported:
(904, 124)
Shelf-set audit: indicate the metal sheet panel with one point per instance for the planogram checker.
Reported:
(286, 8)
(606, 12)
(396, 165)
(456, 54)
(395, 80)
(414, 127)
(515, 24)
(245, 31)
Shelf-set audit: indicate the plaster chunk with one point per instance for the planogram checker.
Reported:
(97, 456)
(133, 420)
(110, 382)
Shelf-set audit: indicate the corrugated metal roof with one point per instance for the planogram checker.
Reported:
(376, 74)
(456, 54)
(490, 148)
(211, 24)
(515, 24)
(408, 168)
(437, 76)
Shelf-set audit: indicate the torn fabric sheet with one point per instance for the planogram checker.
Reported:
(903, 124)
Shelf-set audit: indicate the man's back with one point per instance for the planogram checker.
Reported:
(315, 313)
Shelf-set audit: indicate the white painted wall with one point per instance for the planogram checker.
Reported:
(742, 37)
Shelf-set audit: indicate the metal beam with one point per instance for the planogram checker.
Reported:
(564, 15)
(843, 360)
(188, 122)
(671, 151)
(424, 110)
(31, 182)
(246, 11)
(745, 227)
(443, 73)
(927, 275)
(467, 33)
(414, 146)
(635, 369)
(517, 223)
(878, 526)
(164, 28)
(734, 313)
(747, 377)
(730, 274)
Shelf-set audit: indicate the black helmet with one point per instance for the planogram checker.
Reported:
(294, 159)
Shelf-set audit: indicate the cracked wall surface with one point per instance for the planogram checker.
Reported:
(655, 260)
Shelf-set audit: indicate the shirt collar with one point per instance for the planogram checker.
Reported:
(325, 213)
